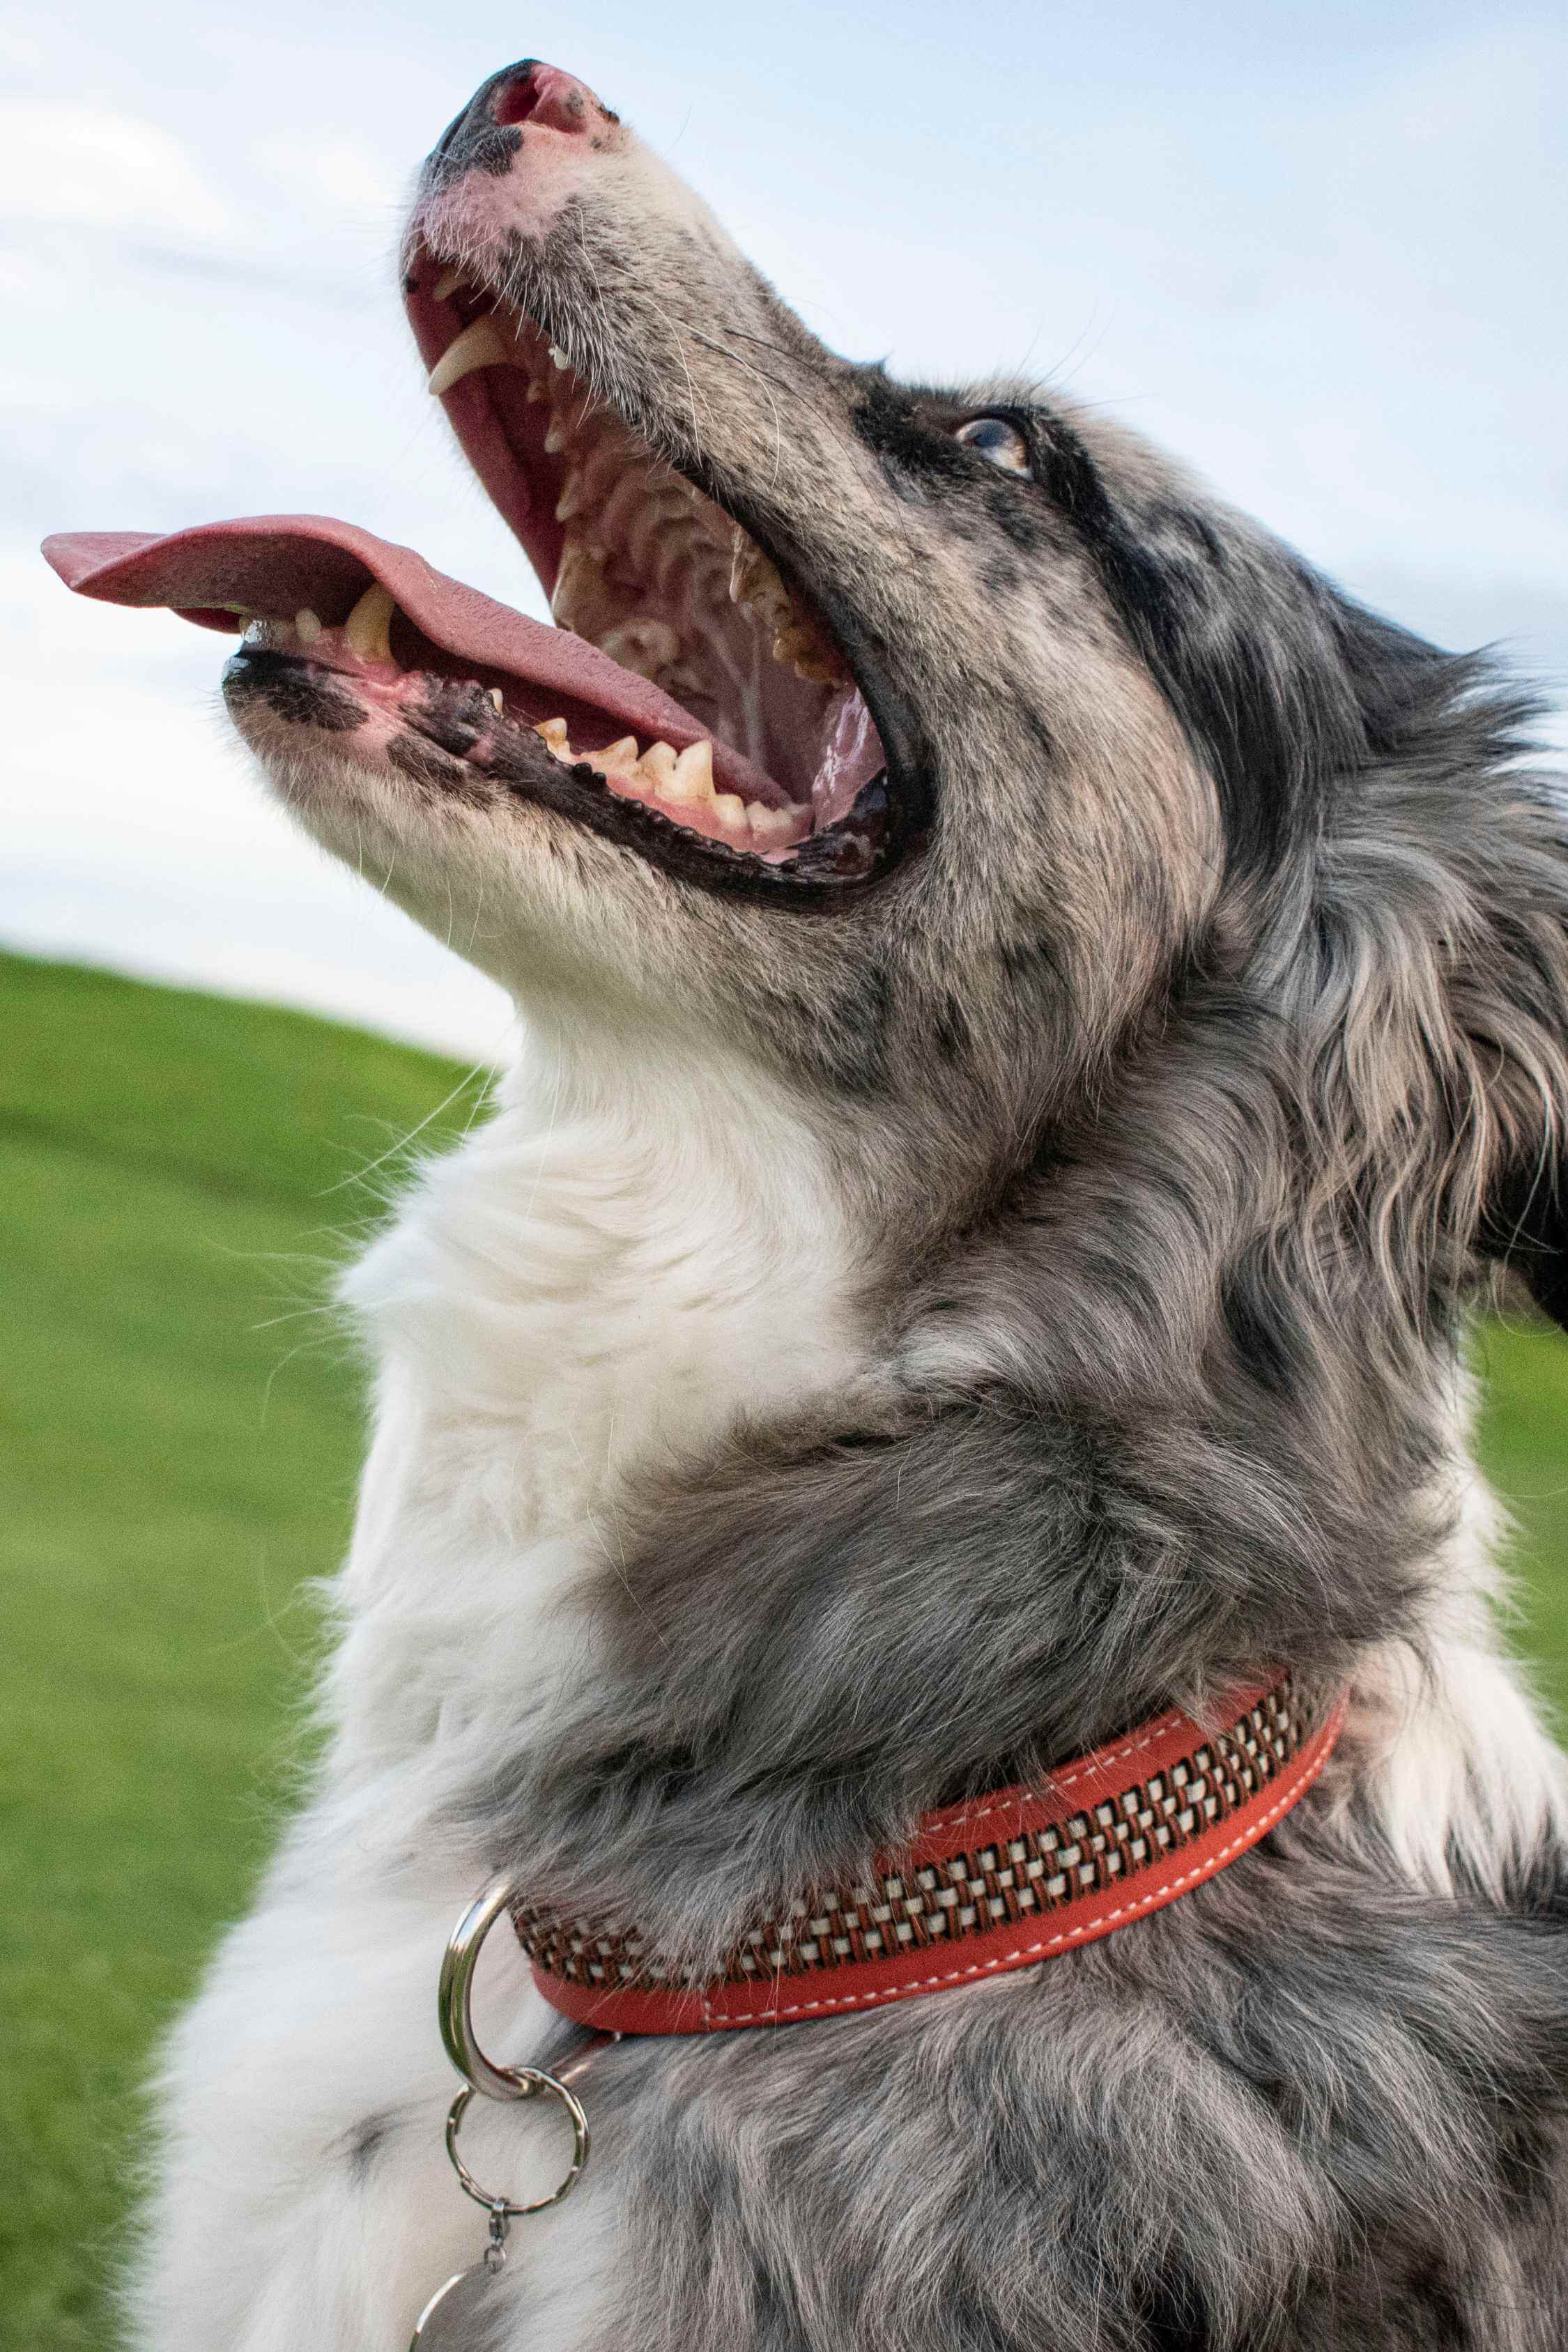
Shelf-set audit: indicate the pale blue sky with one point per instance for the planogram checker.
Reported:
(1318, 249)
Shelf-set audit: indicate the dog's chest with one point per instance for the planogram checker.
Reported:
(561, 1310)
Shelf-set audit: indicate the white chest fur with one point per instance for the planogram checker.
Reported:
(594, 1283)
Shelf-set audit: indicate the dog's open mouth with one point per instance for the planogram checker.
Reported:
(687, 703)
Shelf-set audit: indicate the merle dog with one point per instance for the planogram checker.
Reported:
(1042, 1016)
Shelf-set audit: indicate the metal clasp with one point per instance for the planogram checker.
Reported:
(455, 2002)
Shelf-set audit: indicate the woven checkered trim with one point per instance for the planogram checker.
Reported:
(939, 1903)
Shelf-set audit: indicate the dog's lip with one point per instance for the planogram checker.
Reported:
(454, 717)
(501, 423)
(277, 564)
(509, 483)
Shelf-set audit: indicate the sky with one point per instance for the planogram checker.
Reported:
(1319, 250)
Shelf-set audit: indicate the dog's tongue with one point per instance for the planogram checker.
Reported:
(272, 565)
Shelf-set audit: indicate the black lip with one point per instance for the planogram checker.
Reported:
(455, 715)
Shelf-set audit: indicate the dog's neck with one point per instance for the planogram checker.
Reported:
(605, 1276)
(597, 1285)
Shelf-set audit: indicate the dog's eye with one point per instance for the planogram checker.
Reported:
(1002, 443)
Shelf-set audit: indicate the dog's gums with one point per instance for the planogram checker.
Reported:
(641, 564)
(756, 744)
(678, 785)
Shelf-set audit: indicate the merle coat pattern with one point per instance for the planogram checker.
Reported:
(1142, 1133)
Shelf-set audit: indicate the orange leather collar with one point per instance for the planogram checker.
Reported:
(1005, 1882)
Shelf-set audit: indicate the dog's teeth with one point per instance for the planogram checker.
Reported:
(553, 731)
(555, 435)
(798, 639)
(774, 828)
(559, 356)
(367, 630)
(478, 346)
(578, 598)
(446, 285)
(308, 628)
(650, 647)
(658, 765)
(498, 698)
(535, 389)
(751, 573)
(731, 811)
(815, 665)
(690, 780)
(619, 757)
(571, 499)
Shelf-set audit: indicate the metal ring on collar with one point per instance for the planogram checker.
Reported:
(503, 2205)
(455, 2000)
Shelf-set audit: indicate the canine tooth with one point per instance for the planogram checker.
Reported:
(571, 499)
(554, 733)
(447, 284)
(691, 778)
(478, 346)
(367, 630)
(559, 356)
(555, 435)
(498, 698)
(308, 628)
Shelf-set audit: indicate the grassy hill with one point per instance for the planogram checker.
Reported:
(178, 1175)
(181, 1439)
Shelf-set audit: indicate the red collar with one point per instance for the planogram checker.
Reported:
(1004, 1881)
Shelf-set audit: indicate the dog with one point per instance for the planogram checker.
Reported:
(1042, 1017)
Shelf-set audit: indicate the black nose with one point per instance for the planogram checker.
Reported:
(477, 141)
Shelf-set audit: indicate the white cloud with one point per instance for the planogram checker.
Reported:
(67, 163)
(1316, 252)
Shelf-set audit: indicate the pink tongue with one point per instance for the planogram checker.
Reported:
(274, 565)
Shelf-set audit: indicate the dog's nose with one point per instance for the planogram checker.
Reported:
(532, 92)
(488, 133)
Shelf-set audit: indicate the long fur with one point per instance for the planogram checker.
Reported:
(872, 1355)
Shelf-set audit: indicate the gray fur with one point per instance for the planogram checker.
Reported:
(1185, 1135)
(1190, 1068)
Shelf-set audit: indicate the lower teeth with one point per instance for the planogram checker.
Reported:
(682, 782)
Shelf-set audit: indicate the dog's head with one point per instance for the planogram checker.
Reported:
(944, 751)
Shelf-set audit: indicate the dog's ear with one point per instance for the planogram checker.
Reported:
(1525, 1227)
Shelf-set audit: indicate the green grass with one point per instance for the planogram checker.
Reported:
(180, 1448)
(176, 1463)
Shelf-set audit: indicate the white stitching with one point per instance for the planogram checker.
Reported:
(1206, 1869)
(958, 1817)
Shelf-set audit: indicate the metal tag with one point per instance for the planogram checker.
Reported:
(447, 2322)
